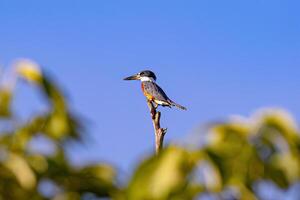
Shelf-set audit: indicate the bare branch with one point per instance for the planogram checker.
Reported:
(159, 132)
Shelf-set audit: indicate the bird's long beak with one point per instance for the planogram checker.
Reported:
(134, 77)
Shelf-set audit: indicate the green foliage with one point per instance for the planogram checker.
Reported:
(22, 171)
(237, 155)
(165, 176)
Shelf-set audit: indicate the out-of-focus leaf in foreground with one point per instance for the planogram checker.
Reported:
(22, 171)
(5, 102)
(238, 154)
(164, 177)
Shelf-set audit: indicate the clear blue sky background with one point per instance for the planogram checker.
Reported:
(215, 57)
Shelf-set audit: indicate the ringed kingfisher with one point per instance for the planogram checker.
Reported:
(152, 91)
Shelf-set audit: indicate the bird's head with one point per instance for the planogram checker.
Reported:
(145, 75)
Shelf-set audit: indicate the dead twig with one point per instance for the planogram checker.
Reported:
(159, 132)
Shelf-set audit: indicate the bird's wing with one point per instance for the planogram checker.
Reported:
(154, 90)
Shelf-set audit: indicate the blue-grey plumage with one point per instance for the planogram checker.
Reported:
(152, 91)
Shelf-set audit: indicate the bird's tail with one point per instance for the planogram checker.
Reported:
(177, 105)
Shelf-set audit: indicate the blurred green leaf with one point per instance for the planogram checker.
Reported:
(5, 102)
(162, 177)
(20, 168)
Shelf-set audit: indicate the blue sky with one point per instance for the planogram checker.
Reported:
(217, 58)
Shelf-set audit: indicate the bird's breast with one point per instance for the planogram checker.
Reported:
(147, 95)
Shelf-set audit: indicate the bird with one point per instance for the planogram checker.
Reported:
(152, 91)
